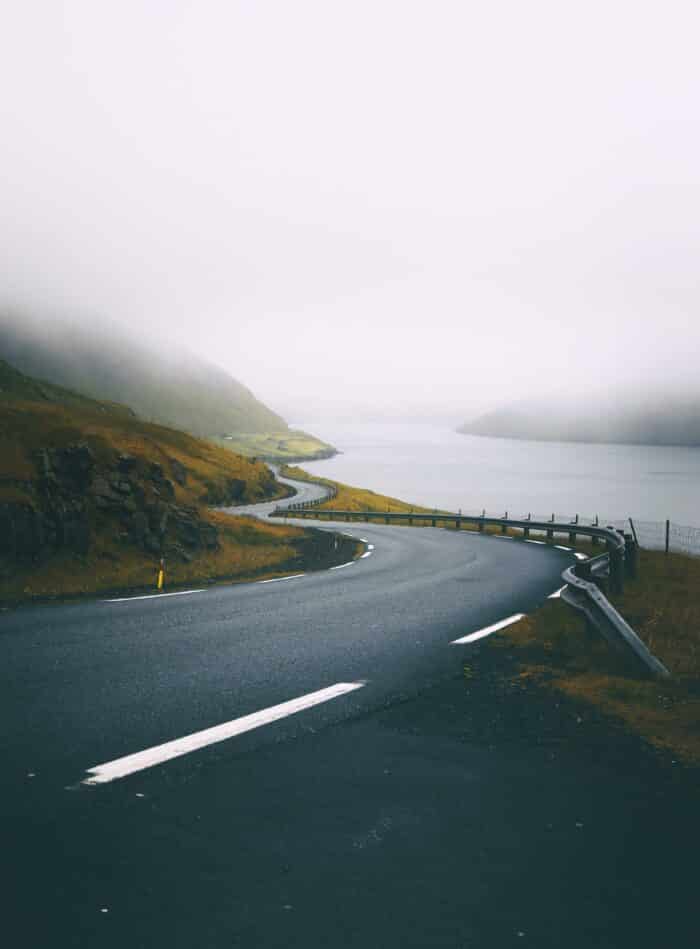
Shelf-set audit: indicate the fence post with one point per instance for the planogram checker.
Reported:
(616, 574)
(668, 536)
(631, 556)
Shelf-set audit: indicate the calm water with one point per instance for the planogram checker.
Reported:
(436, 467)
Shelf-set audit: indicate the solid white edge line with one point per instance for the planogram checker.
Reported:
(502, 537)
(557, 593)
(535, 542)
(487, 630)
(153, 596)
(341, 565)
(121, 767)
(294, 576)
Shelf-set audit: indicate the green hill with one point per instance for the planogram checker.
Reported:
(161, 384)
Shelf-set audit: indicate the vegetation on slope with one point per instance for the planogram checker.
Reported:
(281, 447)
(166, 386)
(91, 498)
(349, 498)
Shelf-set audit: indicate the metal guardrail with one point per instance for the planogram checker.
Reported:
(585, 581)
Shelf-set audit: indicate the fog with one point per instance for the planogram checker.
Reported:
(368, 207)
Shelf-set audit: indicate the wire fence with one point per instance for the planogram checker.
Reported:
(650, 535)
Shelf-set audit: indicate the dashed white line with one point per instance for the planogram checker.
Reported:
(367, 553)
(294, 576)
(370, 547)
(557, 593)
(121, 767)
(560, 547)
(535, 542)
(152, 596)
(502, 537)
(480, 633)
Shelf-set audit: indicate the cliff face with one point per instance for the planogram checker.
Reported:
(75, 498)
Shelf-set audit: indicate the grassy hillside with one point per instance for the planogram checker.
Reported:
(349, 498)
(283, 446)
(91, 497)
(163, 385)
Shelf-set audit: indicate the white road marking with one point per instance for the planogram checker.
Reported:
(535, 542)
(153, 596)
(294, 576)
(556, 594)
(479, 634)
(370, 547)
(366, 554)
(502, 537)
(363, 539)
(341, 565)
(559, 547)
(579, 556)
(121, 767)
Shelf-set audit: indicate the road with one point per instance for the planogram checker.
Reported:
(292, 830)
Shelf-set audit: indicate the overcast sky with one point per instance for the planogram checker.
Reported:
(406, 204)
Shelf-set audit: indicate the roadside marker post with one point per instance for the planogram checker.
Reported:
(161, 573)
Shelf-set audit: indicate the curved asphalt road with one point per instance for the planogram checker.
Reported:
(387, 824)
(85, 683)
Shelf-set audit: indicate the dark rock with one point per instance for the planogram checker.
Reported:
(151, 544)
(155, 472)
(179, 472)
(126, 463)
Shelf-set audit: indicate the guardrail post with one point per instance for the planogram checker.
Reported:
(386, 518)
(668, 536)
(595, 540)
(481, 522)
(550, 533)
(504, 528)
(631, 557)
(410, 519)
(572, 534)
(526, 531)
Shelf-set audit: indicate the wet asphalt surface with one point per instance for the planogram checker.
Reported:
(421, 810)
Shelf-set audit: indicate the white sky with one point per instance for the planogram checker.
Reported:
(409, 205)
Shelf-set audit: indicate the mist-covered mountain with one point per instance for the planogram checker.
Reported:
(162, 384)
(659, 418)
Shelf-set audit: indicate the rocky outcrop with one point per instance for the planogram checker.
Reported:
(75, 496)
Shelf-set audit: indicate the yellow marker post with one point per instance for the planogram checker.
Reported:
(161, 575)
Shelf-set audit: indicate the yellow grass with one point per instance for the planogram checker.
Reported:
(354, 499)
(663, 607)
